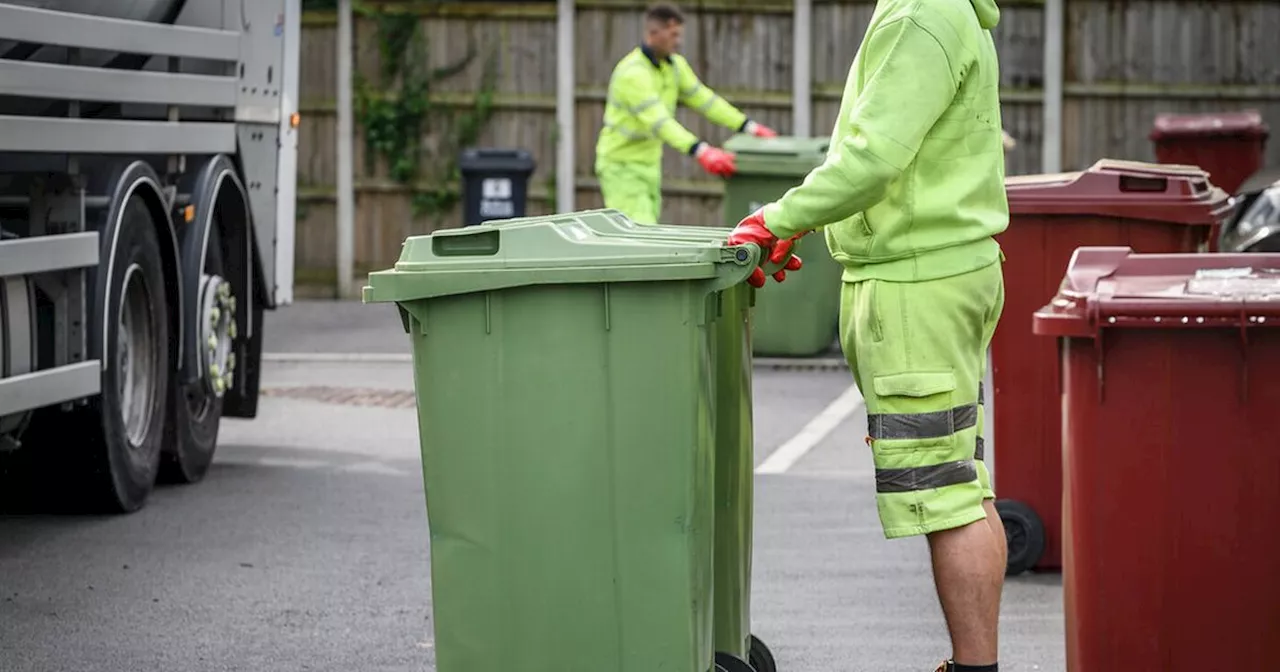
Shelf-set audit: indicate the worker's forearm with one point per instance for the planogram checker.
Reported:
(847, 183)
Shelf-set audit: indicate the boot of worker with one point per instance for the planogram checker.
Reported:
(951, 666)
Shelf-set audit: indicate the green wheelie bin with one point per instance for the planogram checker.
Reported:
(799, 317)
(566, 412)
(734, 444)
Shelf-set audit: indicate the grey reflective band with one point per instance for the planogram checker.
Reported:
(635, 109)
(658, 124)
(707, 105)
(914, 479)
(634, 135)
(689, 92)
(922, 425)
(644, 105)
(980, 449)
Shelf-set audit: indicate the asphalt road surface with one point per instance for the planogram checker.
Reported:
(306, 547)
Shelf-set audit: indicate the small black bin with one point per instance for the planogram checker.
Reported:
(495, 183)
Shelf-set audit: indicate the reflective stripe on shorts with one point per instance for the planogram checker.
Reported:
(920, 426)
(933, 425)
(926, 478)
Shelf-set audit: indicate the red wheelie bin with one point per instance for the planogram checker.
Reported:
(1149, 207)
(1169, 367)
(1229, 145)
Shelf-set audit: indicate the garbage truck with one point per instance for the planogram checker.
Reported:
(147, 190)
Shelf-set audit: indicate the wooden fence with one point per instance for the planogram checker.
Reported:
(1124, 63)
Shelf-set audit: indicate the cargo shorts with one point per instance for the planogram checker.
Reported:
(917, 351)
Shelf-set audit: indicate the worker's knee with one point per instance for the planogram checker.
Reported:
(626, 191)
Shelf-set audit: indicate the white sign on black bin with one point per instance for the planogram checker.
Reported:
(495, 198)
(495, 183)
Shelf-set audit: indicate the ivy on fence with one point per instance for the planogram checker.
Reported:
(402, 122)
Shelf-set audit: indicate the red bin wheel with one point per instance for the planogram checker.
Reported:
(1024, 533)
(760, 657)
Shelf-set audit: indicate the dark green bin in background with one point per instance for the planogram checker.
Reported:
(567, 404)
(798, 317)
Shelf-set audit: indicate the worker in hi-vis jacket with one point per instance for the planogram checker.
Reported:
(910, 198)
(639, 116)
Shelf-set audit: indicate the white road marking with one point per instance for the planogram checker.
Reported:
(289, 462)
(813, 433)
(378, 468)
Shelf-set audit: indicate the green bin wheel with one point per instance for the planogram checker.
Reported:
(760, 657)
(1024, 534)
(727, 662)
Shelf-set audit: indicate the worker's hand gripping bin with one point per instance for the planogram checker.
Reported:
(567, 406)
(799, 317)
(1169, 366)
(1151, 208)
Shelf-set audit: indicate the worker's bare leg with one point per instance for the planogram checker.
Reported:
(968, 569)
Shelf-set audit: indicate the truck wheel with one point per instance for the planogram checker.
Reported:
(122, 459)
(760, 657)
(198, 404)
(1024, 533)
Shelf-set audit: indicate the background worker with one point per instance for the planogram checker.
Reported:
(639, 116)
(910, 196)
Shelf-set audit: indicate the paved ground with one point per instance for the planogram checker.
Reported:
(307, 549)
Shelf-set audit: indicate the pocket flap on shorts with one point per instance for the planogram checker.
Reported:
(915, 384)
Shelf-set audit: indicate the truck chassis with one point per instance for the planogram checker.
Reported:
(147, 194)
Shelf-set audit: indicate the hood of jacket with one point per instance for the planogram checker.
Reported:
(988, 12)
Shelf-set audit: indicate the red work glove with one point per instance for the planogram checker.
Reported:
(752, 230)
(716, 161)
(760, 130)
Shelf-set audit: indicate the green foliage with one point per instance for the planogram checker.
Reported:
(398, 111)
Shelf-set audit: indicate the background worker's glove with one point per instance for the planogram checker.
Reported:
(716, 161)
(759, 130)
(752, 230)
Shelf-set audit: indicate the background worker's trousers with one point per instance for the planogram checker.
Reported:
(635, 189)
(918, 353)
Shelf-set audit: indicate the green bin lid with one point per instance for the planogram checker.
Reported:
(558, 249)
(783, 156)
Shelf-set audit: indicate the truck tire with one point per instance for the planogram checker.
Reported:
(124, 457)
(198, 403)
(104, 456)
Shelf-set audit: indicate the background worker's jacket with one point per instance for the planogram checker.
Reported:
(913, 185)
(639, 113)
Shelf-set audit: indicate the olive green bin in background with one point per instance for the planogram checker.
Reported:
(567, 402)
(798, 317)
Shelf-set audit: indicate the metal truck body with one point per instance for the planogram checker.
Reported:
(147, 190)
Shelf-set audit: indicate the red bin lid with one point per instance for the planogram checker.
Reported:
(1127, 189)
(1245, 124)
(1112, 287)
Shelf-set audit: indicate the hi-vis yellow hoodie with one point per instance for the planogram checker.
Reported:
(913, 185)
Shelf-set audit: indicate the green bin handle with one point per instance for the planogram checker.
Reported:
(743, 259)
